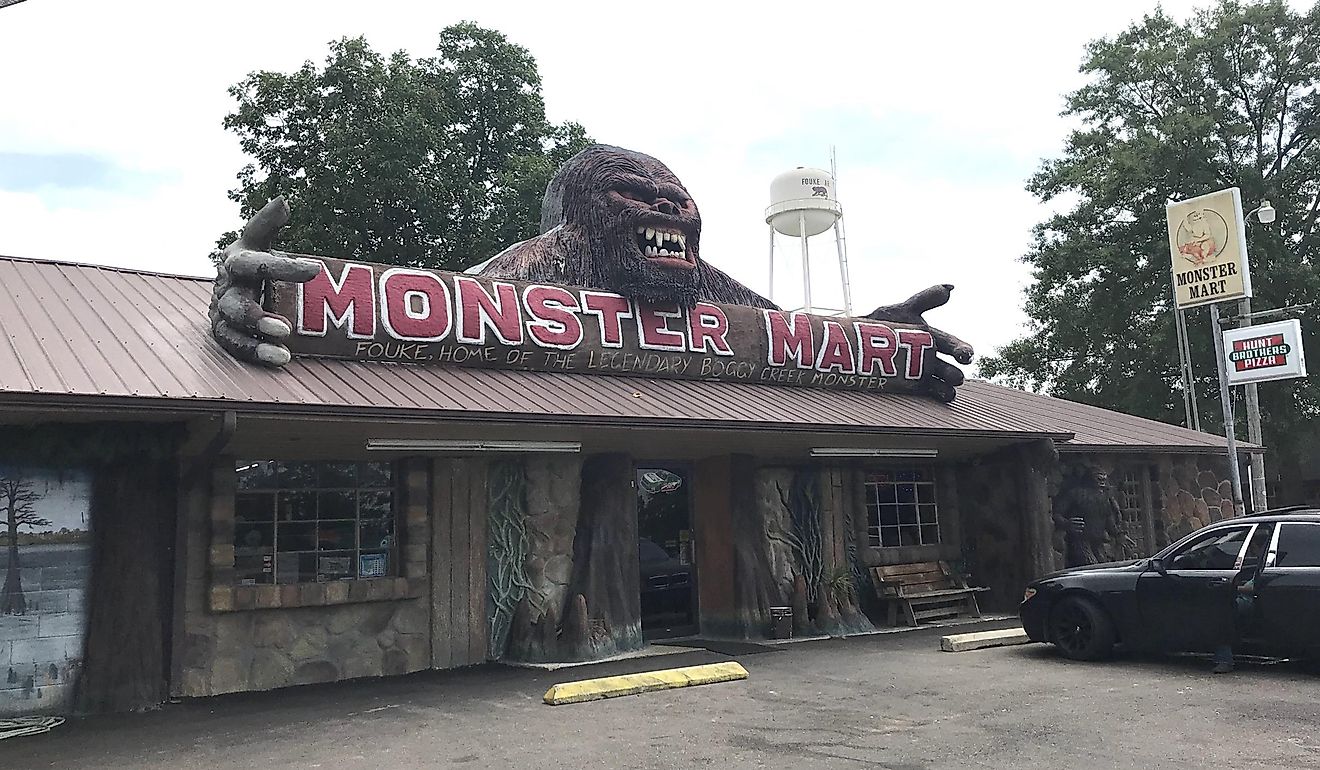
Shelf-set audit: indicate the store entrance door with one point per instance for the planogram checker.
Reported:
(666, 551)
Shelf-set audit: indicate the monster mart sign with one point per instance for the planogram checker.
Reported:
(382, 313)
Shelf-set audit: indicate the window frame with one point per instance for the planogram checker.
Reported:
(1272, 554)
(872, 503)
(412, 510)
(276, 493)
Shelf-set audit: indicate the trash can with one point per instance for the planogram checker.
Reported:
(781, 622)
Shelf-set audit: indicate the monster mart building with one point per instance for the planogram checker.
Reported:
(184, 524)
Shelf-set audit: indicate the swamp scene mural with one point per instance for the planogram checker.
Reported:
(614, 284)
(45, 557)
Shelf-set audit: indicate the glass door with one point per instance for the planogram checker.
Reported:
(666, 550)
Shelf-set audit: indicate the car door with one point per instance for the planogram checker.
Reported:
(1288, 589)
(1188, 606)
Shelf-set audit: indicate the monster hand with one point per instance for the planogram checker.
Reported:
(941, 376)
(238, 321)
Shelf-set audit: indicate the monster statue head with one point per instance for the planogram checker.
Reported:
(619, 220)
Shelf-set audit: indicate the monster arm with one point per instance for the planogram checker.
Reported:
(942, 377)
(239, 323)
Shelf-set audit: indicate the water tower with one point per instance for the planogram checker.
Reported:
(804, 203)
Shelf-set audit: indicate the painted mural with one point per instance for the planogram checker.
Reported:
(45, 557)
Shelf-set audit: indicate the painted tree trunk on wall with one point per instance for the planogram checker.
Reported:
(759, 579)
(603, 615)
(553, 501)
(133, 509)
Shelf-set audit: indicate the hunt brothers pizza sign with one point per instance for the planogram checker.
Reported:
(383, 313)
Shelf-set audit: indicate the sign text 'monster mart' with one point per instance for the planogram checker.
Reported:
(381, 313)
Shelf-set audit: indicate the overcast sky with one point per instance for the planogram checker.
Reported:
(112, 151)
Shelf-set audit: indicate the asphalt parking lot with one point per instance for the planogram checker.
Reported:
(885, 701)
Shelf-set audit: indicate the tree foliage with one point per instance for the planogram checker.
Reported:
(1173, 110)
(436, 162)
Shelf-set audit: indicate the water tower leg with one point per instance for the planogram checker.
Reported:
(771, 295)
(806, 263)
(843, 267)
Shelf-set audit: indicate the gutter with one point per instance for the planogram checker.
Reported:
(196, 408)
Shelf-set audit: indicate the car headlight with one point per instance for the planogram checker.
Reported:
(1027, 594)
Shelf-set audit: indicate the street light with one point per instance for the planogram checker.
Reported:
(1265, 214)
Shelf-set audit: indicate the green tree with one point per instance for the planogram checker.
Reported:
(1173, 110)
(435, 162)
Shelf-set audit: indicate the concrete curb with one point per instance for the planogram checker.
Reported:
(979, 640)
(647, 681)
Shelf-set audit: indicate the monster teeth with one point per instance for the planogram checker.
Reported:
(650, 234)
(664, 252)
(641, 230)
(682, 241)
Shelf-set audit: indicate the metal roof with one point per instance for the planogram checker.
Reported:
(108, 337)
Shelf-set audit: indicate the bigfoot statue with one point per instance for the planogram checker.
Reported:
(612, 219)
(1088, 515)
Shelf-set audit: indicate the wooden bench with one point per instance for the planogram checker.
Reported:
(925, 591)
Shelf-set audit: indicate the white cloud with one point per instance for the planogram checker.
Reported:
(143, 84)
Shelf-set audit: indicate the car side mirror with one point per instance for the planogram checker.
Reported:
(1157, 564)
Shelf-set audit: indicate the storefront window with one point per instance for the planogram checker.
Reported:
(901, 508)
(312, 522)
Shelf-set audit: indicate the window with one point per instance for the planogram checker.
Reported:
(1131, 499)
(1299, 546)
(1213, 550)
(304, 522)
(901, 507)
(1260, 541)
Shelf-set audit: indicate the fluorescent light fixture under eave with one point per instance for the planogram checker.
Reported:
(442, 445)
(843, 451)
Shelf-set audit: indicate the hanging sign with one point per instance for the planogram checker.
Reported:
(1208, 243)
(380, 313)
(1264, 352)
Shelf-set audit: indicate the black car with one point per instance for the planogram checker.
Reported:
(1183, 598)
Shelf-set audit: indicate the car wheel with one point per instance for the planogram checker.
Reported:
(1081, 630)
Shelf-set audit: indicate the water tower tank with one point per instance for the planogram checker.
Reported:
(803, 196)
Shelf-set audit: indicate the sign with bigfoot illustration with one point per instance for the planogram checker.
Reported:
(383, 313)
(1208, 243)
(615, 283)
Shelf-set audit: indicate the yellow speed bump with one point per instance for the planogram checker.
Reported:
(647, 681)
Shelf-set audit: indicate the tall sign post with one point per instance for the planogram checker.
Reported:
(1208, 245)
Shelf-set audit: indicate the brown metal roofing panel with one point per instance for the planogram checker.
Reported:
(148, 334)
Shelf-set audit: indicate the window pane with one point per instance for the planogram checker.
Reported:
(907, 493)
(334, 566)
(375, 505)
(253, 539)
(889, 536)
(334, 475)
(254, 506)
(1299, 546)
(336, 536)
(376, 533)
(887, 493)
(297, 506)
(928, 515)
(907, 514)
(335, 505)
(296, 568)
(921, 474)
(297, 475)
(374, 564)
(906, 474)
(375, 475)
(255, 474)
(910, 536)
(888, 514)
(296, 536)
(930, 535)
(1213, 550)
(925, 493)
